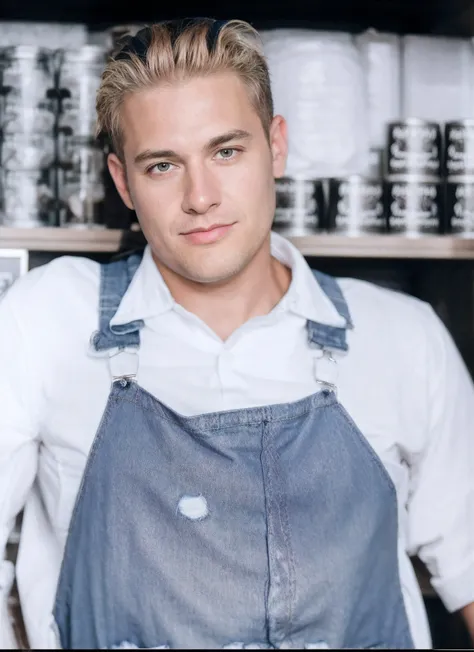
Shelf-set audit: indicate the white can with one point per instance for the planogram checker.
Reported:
(27, 79)
(80, 74)
(81, 189)
(20, 151)
(27, 198)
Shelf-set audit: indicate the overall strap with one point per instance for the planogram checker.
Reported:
(115, 278)
(322, 335)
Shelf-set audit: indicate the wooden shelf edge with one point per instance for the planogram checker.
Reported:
(50, 239)
(61, 239)
(385, 246)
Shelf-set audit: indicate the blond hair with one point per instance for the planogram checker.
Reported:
(168, 55)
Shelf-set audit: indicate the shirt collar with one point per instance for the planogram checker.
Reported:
(148, 295)
(304, 297)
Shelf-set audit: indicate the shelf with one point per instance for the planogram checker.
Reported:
(385, 246)
(319, 246)
(408, 16)
(63, 240)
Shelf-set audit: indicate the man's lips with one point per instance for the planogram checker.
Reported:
(208, 235)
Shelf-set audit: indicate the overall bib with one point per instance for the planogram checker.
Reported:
(268, 528)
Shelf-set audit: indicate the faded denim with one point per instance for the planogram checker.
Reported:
(273, 527)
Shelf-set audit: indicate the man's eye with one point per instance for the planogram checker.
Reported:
(228, 152)
(160, 167)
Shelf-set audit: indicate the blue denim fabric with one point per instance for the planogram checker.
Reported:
(273, 526)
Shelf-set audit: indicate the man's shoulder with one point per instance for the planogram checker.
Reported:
(58, 285)
(372, 295)
(390, 315)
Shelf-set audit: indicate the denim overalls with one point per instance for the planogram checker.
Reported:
(264, 528)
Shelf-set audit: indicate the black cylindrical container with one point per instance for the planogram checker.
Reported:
(414, 206)
(300, 206)
(356, 206)
(459, 206)
(414, 148)
(459, 148)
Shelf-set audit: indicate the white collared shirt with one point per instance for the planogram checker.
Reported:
(403, 382)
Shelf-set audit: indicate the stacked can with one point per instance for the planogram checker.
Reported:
(355, 206)
(26, 137)
(80, 181)
(351, 206)
(413, 188)
(300, 206)
(459, 173)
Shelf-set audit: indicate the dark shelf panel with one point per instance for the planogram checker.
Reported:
(403, 16)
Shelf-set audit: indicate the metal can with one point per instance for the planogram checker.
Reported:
(26, 152)
(299, 206)
(459, 206)
(81, 189)
(356, 206)
(414, 148)
(79, 79)
(27, 81)
(459, 148)
(27, 198)
(27, 121)
(414, 206)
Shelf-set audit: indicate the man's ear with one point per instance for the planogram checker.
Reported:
(119, 175)
(279, 145)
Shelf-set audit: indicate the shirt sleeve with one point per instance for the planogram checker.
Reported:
(441, 501)
(19, 429)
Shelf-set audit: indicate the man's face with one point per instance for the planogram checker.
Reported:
(199, 172)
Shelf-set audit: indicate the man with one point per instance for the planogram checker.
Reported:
(190, 474)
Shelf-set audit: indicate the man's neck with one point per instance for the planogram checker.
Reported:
(224, 307)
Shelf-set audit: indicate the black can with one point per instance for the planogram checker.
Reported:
(459, 206)
(300, 206)
(414, 149)
(459, 148)
(356, 206)
(414, 206)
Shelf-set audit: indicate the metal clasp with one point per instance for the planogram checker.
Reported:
(123, 366)
(325, 369)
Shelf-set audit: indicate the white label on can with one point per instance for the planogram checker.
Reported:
(414, 206)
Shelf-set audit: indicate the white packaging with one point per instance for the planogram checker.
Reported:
(437, 78)
(45, 35)
(381, 55)
(318, 85)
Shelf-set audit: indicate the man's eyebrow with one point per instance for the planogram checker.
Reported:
(151, 154)
(222, 139)
(235, 134)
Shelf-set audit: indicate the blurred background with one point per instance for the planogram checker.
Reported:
(379, 98)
